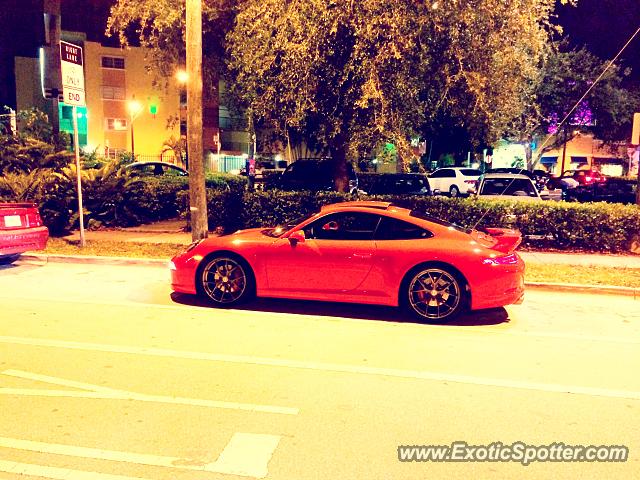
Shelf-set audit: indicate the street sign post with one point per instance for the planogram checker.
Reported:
(71, 62)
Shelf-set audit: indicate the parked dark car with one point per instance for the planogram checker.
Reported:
(399, 184)
(585, 177)
(157, 168)
(614, 191)
(315, 175)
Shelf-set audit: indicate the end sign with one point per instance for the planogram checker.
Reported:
(72, 74)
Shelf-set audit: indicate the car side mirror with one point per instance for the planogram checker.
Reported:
(297, 237)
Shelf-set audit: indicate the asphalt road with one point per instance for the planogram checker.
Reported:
(104, 375)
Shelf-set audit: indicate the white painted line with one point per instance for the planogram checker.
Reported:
(95, 391)
(329, 367)
(60, 381)
(93, 453)
(57, 473)
(246, 454)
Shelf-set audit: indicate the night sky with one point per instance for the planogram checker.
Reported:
(604, 26)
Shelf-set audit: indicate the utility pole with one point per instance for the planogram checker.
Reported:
(197, 190)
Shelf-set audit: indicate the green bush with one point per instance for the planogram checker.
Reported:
(592, 226)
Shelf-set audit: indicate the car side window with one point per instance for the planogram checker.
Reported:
(394, 229)
(343, 226)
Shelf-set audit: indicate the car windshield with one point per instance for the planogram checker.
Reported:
(518, 187)
(280, 229)
(437, 221)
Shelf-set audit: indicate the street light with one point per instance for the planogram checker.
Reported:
(182, 76)
(134, 107)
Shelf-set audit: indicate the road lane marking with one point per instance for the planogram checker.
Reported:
(328, 367)
(57, 473)
(246, 454)
(96, 391)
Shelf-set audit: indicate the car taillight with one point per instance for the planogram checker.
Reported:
(510, 259)
(34, 219)
(471, 182)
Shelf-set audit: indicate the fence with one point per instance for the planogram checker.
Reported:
(225, 163)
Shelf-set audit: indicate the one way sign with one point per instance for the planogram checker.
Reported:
(72, 74)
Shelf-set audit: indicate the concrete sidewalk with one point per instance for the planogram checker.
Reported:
(173, 231)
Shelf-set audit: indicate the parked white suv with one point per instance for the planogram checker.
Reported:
(455, 181)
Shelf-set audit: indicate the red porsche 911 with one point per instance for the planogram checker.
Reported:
(359, 252)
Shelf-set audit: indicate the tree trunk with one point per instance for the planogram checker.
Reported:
(197, 189)
(528, 154)
(338, 151)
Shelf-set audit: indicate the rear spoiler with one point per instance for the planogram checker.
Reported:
(507, 239)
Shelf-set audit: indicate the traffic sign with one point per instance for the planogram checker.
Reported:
(72, 74)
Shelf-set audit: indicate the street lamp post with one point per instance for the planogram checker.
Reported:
(135, 107)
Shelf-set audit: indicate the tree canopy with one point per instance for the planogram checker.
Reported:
(358, 73)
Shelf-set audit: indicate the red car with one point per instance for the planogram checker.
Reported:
(21, 230)
(359, 252)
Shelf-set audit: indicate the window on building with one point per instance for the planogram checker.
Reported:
(113, 93)
(67, 112)
(113, 62)
(117, 124)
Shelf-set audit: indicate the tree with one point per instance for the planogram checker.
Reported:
(358, 74)
(567, 74)
(373, 71)
(159, 27)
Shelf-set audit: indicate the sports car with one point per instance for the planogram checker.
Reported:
(359, 252)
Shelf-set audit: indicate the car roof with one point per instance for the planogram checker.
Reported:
(513, 176)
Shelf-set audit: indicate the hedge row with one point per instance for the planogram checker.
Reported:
(594, 227)
(111, 196)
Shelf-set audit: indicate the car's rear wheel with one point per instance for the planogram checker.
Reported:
(434, 294)
(454, 191)
(7, 259)
(226, 280)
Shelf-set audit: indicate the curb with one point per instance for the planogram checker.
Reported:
(580, 288)
(159, 262)
(95, 260)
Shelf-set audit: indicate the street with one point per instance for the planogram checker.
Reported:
(107, 375)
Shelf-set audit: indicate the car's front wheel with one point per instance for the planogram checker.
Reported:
(226, 280)
(454, 191)
(434, 294)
